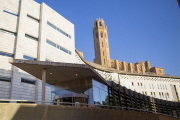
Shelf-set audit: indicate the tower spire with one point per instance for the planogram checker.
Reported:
(101, 45)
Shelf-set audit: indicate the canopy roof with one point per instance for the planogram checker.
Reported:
(57, 71)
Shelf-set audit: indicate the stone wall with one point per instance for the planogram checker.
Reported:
(53, 112)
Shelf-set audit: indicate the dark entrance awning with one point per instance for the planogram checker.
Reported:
(57, 71)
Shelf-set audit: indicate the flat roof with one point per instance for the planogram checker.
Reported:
(57, 71)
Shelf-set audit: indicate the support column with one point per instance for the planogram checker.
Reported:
(43, 85)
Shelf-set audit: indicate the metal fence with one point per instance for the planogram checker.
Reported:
(123, 97)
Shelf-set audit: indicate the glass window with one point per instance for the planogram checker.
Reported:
(5, 79)
(63, 49)
(149, 85)
(32, 18)
(144, 85)
(6, 54)
(53, 26)
(58, 29)
(58, 46)
(99, 85)
(96, 95)
(6, 31)
(158, 86)
(47, 60)
(28, 57)
(51, 43)
(152, 86)
(31, 37)
(27, 81)
(10, 12)
(48, 85)
(163, 86)
(70, 52)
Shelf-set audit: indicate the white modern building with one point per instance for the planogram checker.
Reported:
(33, 31)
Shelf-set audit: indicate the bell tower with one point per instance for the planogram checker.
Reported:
(101, 45)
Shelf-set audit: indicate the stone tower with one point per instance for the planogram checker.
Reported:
(101, 45)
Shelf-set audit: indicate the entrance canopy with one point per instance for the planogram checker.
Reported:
(57, 71)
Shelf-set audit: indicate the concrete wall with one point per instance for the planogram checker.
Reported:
(52, 112)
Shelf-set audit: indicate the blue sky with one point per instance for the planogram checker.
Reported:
(138, 30)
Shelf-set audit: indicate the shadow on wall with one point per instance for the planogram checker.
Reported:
(15, 111)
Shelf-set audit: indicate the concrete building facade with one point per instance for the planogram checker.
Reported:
(33, 31)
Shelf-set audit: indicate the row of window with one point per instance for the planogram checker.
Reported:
(28, 57)
(8, 32)
(6, 54)
(32, 18)
(162, 86)
(140, 84)
(24, 80)
(10, 12)
(151, 86)
(58, 46)
(58, 29)
(31, 37)
(164, 95)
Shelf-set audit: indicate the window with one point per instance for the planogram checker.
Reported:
(6, 31)
(145, 93)
(103, 53)
(32, 18)
(47, 60)
(101, 35)
(159, 94)
(53, 26)
(158, 86)
(5, 79)
(6, 54)
(63, 49)
(102, 44)
(96, 35)
(138, 84)
(144, 85)
(59, 30)
(48, 85)
(58, 46)
(167, 94)
(28, 57)
(149, 85)
(152, 86)
(31, 37)
(162, 95)
(10, 12)
(104, 61)
(70, 52)
(100, 24)
(28, 81)
(151, 93)
(132, 84)
(154, 94)
(165, 86)
(51, 43)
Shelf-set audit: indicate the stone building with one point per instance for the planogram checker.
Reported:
(102, 54)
